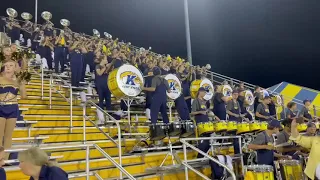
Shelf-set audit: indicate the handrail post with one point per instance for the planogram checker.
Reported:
(119, 147)
(88, 163)
(84, 122)
(71, 106)
(186, 174)
(314, 111)
(50, 92)
(42, 80)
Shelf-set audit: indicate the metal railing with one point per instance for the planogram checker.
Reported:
(69, 100)
(85, 117)
(87, 146)
(185, 144)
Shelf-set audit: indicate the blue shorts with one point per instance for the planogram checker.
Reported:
(9, 111)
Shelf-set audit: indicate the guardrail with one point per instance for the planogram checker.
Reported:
(185, 144)
(87, 173)
(112, 119)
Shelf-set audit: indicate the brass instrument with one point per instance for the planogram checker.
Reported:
(46, 15)
(96, 33)
(12, 13)
(28, 26)
(107, 35)
(65, 23)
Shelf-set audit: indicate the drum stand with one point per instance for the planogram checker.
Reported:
(171, 153)
(128, 101)
(170, 104)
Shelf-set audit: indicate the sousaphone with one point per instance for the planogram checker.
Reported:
(96, 33)
(107, 35)
(27, 25)
(46, 15)
(65, 23)
(12, 13)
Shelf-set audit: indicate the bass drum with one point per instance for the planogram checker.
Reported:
(205, 83)
(248, 97)
(126, 80)
(174, 85)
(277, 100)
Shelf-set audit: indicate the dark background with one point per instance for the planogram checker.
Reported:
(262, 42)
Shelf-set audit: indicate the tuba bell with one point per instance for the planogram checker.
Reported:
(26, 16)
(12, 13)
(96, 33)
(65, 22)
(46, 15)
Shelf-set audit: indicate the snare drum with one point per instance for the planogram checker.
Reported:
(254, 126)
(157, 131)
(243, 128)
(259, 172)
(205, 83)
(220, 126)
(175, 128)
(187, 129)
(291, 170)
(302, 127)
(174, 85)
(263, 126)
(126, 80)
(232, 126)
(205, 127)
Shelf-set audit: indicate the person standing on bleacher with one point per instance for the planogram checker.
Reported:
(180, 102)
(262, 112)
(159, 87)
(3, 175)
(60, 52)
(148, 74)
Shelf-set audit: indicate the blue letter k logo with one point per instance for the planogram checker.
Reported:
(171, 86)
(130, 80)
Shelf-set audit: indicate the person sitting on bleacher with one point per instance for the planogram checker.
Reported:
(291, 110)
(2, 172)
(35, 163)
(262, 112)
(305, 111)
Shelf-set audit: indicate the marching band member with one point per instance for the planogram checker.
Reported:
(262, 112)
(9, 87)
(60, 52)
(13, 30)
(102, 71)
(180, 102)
(263, 144)
(46, 49)
(76, 62)
(233, 108)
(159, 87)
(147, 83)
(311, 143)
(200, 113)
(257, 97)
(305, 111)
(283, 137)
(272, 107)
(219, 103)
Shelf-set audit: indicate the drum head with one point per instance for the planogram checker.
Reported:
(249, 97)
(207, 84)
(174, 85)
(130, 80)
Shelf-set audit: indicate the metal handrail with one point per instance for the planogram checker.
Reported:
(87, 146)
(70, 100)
(112, 119)
(187, 166)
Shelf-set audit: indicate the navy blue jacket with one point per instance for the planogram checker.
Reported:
(52, 173)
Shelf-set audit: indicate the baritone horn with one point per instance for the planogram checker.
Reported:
(107, 35)
(96, 33)
(27, 25)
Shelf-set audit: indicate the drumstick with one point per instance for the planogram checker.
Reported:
(283, 144)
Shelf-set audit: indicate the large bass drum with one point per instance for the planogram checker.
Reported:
(126, 80)
(174, 85)
(248, 97)
(205, 83)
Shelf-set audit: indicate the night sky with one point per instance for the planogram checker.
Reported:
(262, 42)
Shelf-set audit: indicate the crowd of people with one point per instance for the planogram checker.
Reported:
(99, 56)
